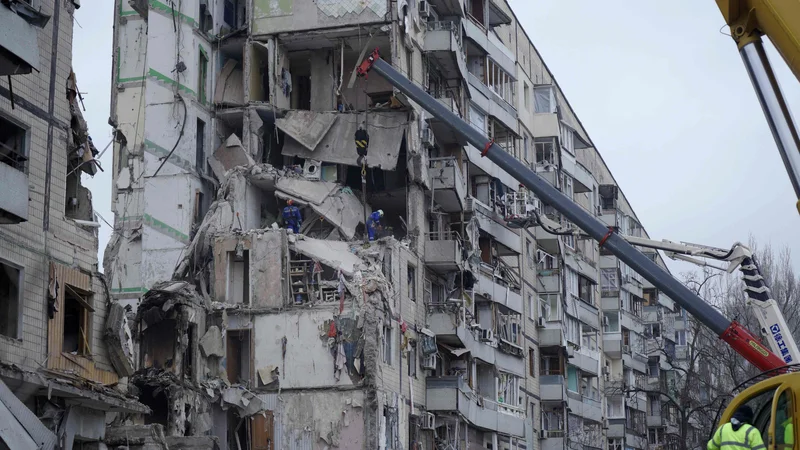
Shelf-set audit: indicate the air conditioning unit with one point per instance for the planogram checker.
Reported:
(626, 349)
(429, 363)
(570, 352)
(424, 8)
(606, 370)
(428, 421)
(487, 335)
(543, 434)
(427, 137)
(541, 322)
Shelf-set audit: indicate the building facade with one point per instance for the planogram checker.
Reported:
(62, 343)
(454, 329)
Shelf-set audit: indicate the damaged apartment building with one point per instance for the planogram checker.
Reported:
(453, 329)
(64, 344)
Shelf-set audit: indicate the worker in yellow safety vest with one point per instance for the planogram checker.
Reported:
(785, 429)
(738, 433)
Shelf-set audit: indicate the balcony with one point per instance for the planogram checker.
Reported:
(490, 102)
(448, 184)
(453, 395)
(588, 314)
(451, 328)
(552, 335)
(588, 407)
(655, 420)
(552, 387)
(449, 7)
(549, 280)
(14, 201)
(552, 440)
(443, 43)
(546, 125)
(491, 288)
(612, 344)
(443, 251)
(587, 360)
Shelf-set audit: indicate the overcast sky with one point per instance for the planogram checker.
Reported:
(662, 93)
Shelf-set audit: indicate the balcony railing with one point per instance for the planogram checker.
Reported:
(443, 236)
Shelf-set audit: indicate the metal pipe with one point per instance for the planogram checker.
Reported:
(732, 332)
(779, 118)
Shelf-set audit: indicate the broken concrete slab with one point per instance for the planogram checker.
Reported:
(344, 210)
(314, 192)
(335, 254)
(211, 343)
(229, 155)
(230, 85)
(306, 127)
(386, 134)
(119, 340)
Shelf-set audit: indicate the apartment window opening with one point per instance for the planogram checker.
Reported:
(202, 73)
(412, 359)
(238, 277)
(13, 144)
(238, 356)
(387, 345)
(476, 10)
(77, 321)
(545, 151)
(527, 96)
(200, 145)
(412, 283)
(10, 300)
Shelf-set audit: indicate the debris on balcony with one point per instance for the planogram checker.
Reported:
(229, 155)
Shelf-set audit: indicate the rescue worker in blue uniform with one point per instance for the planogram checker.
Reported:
(373, 222)
(291, 217)
(738, 434)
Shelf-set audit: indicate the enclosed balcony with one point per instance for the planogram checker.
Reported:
(13, 179)
(448, 184)
(494, 287)
(453, 326)
(453, 99)
(443, 43)
(453, 395)
(449, 7)
(443, 251)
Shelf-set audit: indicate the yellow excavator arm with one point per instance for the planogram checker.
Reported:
(779, 20)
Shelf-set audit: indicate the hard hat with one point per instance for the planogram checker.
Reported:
(290, 202)
(380, 212)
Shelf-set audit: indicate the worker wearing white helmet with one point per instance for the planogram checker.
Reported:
(373, 222)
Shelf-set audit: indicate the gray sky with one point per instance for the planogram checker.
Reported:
(666, 100)
(662, 93)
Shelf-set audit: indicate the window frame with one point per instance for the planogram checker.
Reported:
(551, 107)
(20, 301)
(24, 154)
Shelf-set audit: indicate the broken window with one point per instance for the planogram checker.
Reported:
(158, 345)
(206, 20)
(389, 424)
(532, 361)
(387, 345)
(238, 276)
(545, 151)
(12, 144)
(10, 299)
(500, 82)
(412, 359)
(234, 13)
(237, 356)
(202, 77)
(544, 99)
(78, 203)
(77, 321)
(412, 283)
(188, 353)
(155, 397)
(476, 10)
(200, 146)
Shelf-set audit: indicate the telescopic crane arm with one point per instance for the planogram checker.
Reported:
(744, 342)
(780, 21)
(759, 296)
